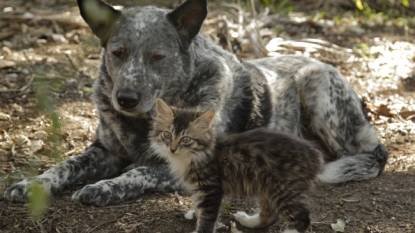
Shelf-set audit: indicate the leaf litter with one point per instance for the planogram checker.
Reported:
(53, 44)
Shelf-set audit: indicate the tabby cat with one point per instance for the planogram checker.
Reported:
(276, 168)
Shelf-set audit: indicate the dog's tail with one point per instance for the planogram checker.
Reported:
(362, 166)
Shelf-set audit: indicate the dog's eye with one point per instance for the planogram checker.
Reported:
(118, 52)
(167, 135)
(186, 139)
(157, 56)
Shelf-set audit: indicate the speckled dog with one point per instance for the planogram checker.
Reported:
(151, 53)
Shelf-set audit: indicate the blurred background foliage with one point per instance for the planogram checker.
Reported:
(388, 8)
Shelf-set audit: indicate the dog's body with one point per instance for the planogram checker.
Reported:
(151, 52)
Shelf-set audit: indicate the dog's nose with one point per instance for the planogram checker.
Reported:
(128, 98)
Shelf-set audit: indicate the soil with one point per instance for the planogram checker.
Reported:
(48, 64)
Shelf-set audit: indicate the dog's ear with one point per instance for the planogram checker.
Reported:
(99, 16)
(187, 19)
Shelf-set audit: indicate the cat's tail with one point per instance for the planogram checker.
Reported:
(362, 166)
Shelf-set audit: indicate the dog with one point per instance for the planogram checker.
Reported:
(151, 53)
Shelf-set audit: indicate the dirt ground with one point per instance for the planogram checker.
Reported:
(48, 62)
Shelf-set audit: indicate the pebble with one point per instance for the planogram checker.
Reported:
(400, 139)
(4, 117)
(411, 170)
(40, 135)
(72, 83)
(7, 43)
(5, 63)
(59, 39)
(36, 145)
(17, 108)
(25, 71)
(179, 229)
(3, 152)
(356, 29)
(12, 76)
(22, 139)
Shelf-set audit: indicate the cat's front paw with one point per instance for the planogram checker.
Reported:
(22, 191)
(190, 214)
(251, 221)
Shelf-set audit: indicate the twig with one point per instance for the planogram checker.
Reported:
(350, 200)
(27, 58)
(7, 34)
(52, 215)
(72, 63)
(37, 224)
(226, 27)
(253, 9)
(22, 89)
(13, 151)
(68, 153)
(178, 198)
(110, 221)
(410, 117)
(320, 222)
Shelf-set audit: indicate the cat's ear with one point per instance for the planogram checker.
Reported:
(164, 112)
(203, 122)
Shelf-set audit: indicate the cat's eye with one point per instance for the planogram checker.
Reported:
(186, 139)
(167, 135)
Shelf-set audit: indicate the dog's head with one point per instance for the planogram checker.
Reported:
(146, 50)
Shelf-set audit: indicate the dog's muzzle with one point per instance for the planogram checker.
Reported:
(128, 99)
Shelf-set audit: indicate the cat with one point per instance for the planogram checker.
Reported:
(278, 169)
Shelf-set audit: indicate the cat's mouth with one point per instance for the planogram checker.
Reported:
(178, 154)
(174, 154)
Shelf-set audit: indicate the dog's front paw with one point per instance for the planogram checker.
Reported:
(93, 194)
(22, 191)
(18, 192)
(105, 192)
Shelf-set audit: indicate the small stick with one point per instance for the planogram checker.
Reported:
(178, 198)
(110, 221)
(72, 63)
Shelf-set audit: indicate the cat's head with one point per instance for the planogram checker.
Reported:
(181, 132)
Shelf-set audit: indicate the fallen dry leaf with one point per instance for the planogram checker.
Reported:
(339, 226)
(234, 229)
(411, 170)
(6, 63)
(4, 117)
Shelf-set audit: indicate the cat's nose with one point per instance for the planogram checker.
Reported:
(173, 150)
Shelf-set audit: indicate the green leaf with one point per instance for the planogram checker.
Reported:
(226, 208)
(38, 200)
(266, 2)
(405, 3)
(359, 4)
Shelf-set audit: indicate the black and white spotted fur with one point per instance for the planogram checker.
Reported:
(151, 53)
